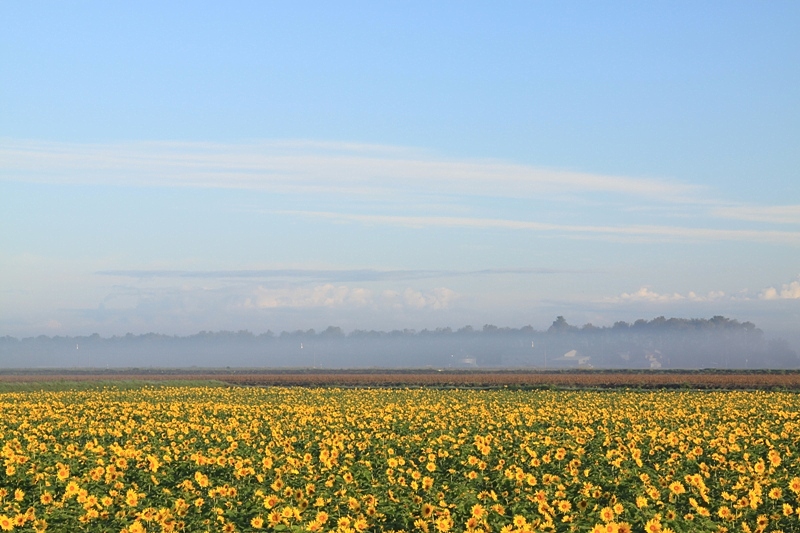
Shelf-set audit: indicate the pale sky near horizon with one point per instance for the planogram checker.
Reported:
(186, 166)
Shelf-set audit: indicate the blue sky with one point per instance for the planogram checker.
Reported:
(251, 165)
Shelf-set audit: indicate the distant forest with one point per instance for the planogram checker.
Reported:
(674, 343)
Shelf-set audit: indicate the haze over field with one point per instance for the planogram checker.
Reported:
(718, 343)
(185, 167)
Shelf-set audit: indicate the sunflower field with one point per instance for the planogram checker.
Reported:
(353, 460)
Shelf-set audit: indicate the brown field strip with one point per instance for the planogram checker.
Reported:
(380, 378)
(567, 380)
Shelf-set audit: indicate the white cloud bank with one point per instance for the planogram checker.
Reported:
(343, 296)
(788, 291)
(645, 294)
(438, 298)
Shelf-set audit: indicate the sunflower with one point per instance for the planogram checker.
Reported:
(478, 511)
(653, 526)
(677, 487)
(624, 527)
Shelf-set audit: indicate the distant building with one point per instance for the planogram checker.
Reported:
(574, 358)
(654, 358)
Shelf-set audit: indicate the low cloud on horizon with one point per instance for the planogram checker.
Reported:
(787, 291)
(333, 275)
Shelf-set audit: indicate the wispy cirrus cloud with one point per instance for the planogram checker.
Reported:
(308, 167)
(774, 214)
(403, 177)
(627, 232)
